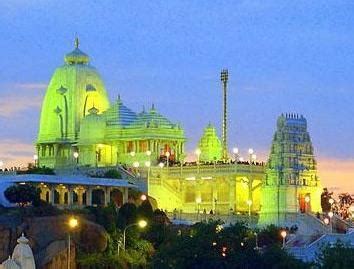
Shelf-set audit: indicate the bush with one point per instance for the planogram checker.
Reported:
(23, 195)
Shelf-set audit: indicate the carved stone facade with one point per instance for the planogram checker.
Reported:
(291, 183)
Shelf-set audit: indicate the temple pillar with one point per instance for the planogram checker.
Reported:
(89, 196)
(125, 195)
(51, 195)
(70, 196)
(61, 192)
(107, 195)
(232, 187)
(79, 193)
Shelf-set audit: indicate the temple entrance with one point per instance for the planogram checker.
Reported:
(117, 197)
(98, 197)
(304, 203)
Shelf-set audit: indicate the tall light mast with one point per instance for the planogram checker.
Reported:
(224, 76)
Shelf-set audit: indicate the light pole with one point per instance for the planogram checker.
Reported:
(331, 201)
(198, 152)
(76, 157)
(256, 235)
(283, 234)
(330, 215)
(73, 223)
(235, 152)
(35, 158)
(307, 201)
(140, 224)
(252, 157)
(198, 200)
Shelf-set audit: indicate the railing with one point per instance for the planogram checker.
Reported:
(241, 169)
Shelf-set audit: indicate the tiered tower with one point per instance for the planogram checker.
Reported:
(210, 145)
(291, 184)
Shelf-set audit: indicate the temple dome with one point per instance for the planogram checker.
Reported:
(77, 56)
(74, 88)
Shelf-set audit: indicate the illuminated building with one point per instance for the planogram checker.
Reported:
(77, 117)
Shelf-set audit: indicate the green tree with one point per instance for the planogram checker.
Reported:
(338, 256)
(112, 173)
(23, 194)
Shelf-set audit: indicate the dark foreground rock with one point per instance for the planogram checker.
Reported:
(48, 238)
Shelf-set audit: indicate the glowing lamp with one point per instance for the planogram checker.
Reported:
(73, 222)
(283, 233)
(142, 223)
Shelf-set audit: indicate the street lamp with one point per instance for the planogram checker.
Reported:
(143, 197)
(256, 235)
(307, 201)
(72, 223)
(330, 215)
(148, 166)
(141, 224)
(35, 158)
(283, 234)
(76, 156)
(235, 152)
(198, 200)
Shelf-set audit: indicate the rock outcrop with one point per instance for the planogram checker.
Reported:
(48, 239)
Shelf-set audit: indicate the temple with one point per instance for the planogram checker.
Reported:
(291, 184)
(78, 117)
(81, 132)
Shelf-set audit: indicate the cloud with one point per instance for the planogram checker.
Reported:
(337, 174)
(11, 106)
(19, 97)
(16, 153)
(30, 86)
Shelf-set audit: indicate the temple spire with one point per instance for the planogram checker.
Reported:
(77, 42)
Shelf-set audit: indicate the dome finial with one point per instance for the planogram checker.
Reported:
(77, 42)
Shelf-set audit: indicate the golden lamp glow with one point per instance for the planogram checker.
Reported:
(283, 234)
(142, 223)
(73, 222)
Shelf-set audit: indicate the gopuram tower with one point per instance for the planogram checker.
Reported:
(291, 184)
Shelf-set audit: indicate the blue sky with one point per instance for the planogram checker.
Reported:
(282, 56)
